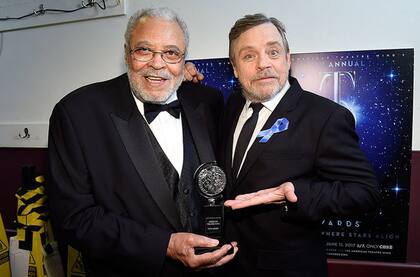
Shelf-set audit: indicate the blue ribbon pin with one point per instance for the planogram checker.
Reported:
(282, 124)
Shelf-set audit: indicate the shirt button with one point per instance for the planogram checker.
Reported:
(186, 191)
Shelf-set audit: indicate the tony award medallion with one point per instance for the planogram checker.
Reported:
(211, 182)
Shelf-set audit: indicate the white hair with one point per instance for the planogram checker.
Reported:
(164, 13)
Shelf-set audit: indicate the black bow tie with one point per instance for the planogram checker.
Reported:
(152, 110)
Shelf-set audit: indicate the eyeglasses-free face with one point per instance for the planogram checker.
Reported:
(260, 62)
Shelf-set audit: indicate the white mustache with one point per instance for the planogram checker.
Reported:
(155, 73)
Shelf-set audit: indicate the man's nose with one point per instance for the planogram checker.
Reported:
(157, 62)
(263, 61)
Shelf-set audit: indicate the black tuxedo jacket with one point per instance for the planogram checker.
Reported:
(107, 197)
(320, 155)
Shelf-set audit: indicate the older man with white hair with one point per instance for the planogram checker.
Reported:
(122, 157)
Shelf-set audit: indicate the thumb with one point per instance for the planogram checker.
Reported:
(289, 193)
(205, 241)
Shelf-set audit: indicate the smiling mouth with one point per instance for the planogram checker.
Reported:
(155, 78)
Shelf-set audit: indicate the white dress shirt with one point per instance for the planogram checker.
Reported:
(264, 114)
(168, 132)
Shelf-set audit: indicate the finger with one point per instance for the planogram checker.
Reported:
(257, 199)
(197, 77)
(289, 191)
(265, 196)
(258, 193)
(291, 196)
(187, 76)
(203, 241)
(239, 204)
(245, 196)
(230, 203)
(212, 258)
(191, 72)
(225, 259)
(239, 198)
(253, 194)
(200, 76)
(190, 66)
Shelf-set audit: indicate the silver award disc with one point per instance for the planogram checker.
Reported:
(211, 180)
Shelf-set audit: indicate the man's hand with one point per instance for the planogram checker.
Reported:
(276, 195)
(191, 73)
(181, 248)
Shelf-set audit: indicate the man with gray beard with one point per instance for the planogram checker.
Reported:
(122, 157)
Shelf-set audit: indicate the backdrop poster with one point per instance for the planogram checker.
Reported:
(377, 87)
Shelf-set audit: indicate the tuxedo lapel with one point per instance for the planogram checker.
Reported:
(231, 120)
(286, 105)
(140, 151)
(196, 116)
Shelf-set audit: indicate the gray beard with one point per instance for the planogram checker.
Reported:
(255, 97)
(144, 96)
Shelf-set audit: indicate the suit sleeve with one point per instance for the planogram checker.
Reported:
(343, 183)
(102, 234)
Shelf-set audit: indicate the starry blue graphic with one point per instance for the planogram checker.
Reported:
(377, 87)
(218, 73)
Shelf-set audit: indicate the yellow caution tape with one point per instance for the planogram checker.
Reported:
(31, 219)
(35, 208)
(36, 258)
(26, 195)
(4, 252)
(40, 179)
(33, 226)
(75, 266)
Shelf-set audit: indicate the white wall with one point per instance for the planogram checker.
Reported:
(38, 66)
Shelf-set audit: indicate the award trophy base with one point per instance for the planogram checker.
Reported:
(212, 227)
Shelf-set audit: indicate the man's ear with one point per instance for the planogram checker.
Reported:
(234, 69)
(126, 53)
(288, 59)
(235, 73)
